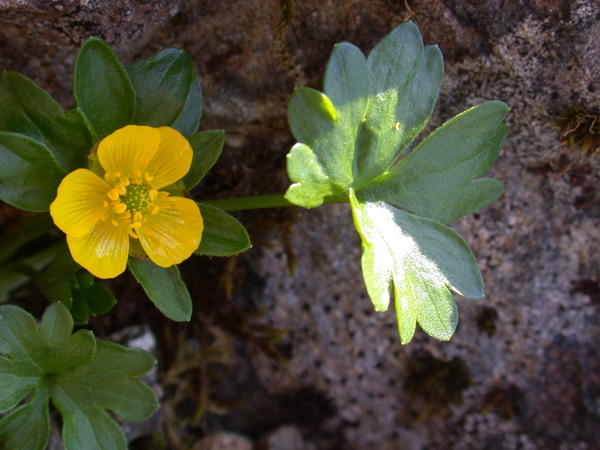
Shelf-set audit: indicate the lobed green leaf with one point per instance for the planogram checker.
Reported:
(436, 180)
(350, 139)
(422, 260)
(83, 379)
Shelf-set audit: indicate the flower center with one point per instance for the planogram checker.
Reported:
(135, 197)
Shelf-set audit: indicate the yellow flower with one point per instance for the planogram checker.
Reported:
(100, 215)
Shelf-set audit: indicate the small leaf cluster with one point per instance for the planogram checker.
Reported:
(352, 144)
(82, 377)
(40, 143)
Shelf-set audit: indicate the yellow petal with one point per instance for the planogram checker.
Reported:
(104, 250)
(128, 149)
(79, 202)
(174, 233)
(172, 160)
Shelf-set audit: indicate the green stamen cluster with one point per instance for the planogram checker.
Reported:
(135, 197)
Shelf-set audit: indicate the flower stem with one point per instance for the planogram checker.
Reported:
(261, 202)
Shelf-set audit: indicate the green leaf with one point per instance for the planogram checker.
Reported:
(207, 147)
(370, 111)
(423, 261)
(436, 179)
(92, 300)
(349, 141)
(108, 382)
(24, 231)
(164, 287)
(28, 109)
(27, 426)
(29, 175)
(167, 90)
(84, 379)
(56, 280)
(12, 276)
(102, 89)
(187, 122)
(223, 234)
(405, 83)
(310, 182)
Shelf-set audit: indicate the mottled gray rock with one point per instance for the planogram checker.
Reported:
(522, 370)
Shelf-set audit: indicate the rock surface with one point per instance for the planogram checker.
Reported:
(522, 372)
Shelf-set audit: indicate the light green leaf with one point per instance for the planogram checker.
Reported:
(436, 179)
(28, 109)
(164, 287)
(313, 118)
(102, 89)
(83, 378)
(27, 427)
(310, 182)
(422, 259)
(349, 141)
(166, 90)
(347, 84)
(223, 234)
(405, 83)
(29, 174)
(207, 147)
(370, 111)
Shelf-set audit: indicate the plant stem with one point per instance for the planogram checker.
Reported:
(261, 202)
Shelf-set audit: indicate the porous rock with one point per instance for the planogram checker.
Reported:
(527, 353)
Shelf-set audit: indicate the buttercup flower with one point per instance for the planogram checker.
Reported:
(101, 215)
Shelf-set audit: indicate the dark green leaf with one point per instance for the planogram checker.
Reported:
(188, 120)
(164, 87)
(11, 275)
(223, 234)
(436, 179)
(164, 287)
(207, 147)
(102, 89)
(27, 109)
(16, 235)
(55, 281)
(423, 261)
(27, 427)
(29, 174)
(93, 300)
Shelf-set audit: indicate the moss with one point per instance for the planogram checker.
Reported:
(486, 320)
(580, 129)
(439, 383)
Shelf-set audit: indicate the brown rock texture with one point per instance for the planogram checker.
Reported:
(523, 370)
